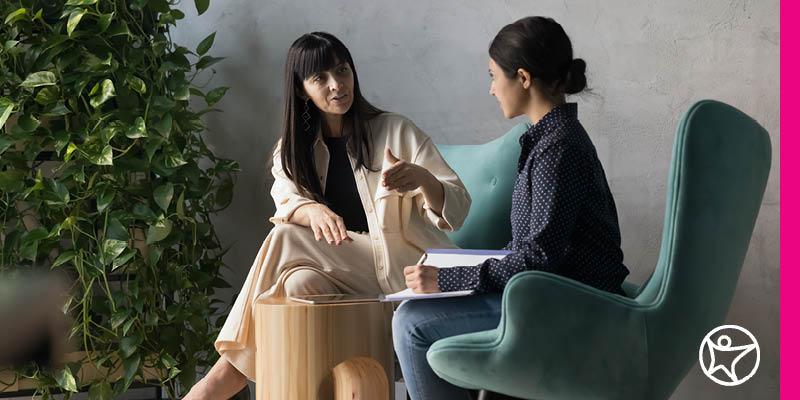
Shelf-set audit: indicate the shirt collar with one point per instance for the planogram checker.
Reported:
(553, 119)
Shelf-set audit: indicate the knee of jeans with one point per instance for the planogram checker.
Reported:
(307, 282)
(405, 322)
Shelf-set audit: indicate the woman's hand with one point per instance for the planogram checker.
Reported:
(324, 222)
(404, 176)
(422, 278)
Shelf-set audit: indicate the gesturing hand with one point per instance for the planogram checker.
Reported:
(404, 176)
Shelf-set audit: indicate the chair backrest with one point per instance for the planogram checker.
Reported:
(489, 172)
(720, 165)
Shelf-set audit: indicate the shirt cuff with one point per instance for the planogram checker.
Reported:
(459, 278)
(285, 210)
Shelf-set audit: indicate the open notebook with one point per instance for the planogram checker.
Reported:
(445, 258)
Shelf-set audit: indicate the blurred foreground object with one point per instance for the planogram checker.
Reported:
(34, 328)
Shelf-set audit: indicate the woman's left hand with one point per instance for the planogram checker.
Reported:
(404, 176)
(422, 278)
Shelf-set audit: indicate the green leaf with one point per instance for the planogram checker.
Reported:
(127, 326)
(66, 381)
(201, 5)
(41, 78)
(106, 92)
(47, 95)
(182, 93)
(70, 149)
(9, 44)
(174, 160)
(131, 367)
(64, 257)
(119, 28)
(164, 126)
(104, 21)
(129, 344)
(216, 95)
(57, 111)
(163, 195)
(6, 107)
(206, 44)
(104, 198)
(16, 15)
(28, 123)
(137, 130)
(29, 243)
(121, 261)
(143, 212)
(81, 2)
(158, 231)
(207, 61)
(100, 391)
(179, 206)
(111, 249)
(11, 181)
(137, 84)
(59, 192)
(116, 230)
(5, 143)
(74, 19)
(105, 157)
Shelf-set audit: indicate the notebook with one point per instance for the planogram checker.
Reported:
(446, 258)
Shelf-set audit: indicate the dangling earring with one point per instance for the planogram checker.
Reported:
(306, 118)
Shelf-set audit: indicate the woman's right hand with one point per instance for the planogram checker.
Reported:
(323, 222)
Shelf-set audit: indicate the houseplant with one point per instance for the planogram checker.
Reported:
(105, 177)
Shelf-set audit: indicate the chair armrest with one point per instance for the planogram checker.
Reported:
(557, 338)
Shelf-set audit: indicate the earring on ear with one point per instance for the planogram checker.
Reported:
(306, 118)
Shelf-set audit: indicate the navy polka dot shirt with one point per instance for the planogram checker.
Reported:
(563, 217)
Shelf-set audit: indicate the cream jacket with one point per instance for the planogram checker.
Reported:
(401, 225)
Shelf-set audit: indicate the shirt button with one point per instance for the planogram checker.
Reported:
(380, 267)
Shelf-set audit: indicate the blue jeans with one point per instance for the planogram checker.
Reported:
(419, 323)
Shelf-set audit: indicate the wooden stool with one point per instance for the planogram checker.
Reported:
(310, 352)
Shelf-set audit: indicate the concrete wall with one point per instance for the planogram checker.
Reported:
(647, 62)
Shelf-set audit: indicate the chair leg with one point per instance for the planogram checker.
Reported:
(487, 395)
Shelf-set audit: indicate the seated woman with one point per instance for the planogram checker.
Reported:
(368, 183)
(563, 217)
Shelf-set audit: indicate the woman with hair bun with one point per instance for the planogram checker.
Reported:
(563, 217)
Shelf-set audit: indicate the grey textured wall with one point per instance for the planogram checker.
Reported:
(647, 62)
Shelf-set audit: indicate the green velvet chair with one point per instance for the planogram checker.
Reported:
(560, 339)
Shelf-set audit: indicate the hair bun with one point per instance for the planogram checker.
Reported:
(575, 81)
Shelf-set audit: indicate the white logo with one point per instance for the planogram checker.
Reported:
(723, 347)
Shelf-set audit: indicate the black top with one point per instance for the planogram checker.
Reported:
(341, 193)
(563, 217)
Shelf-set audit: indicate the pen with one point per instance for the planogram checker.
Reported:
(423, 258)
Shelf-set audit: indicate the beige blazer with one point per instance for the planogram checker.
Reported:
(401, 225)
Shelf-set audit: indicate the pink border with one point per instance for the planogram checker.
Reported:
(790, 389)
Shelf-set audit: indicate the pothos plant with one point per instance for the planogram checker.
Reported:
(105, 176)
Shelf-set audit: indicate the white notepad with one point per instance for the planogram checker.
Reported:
(446, 258)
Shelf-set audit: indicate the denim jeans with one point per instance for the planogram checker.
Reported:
(419, 323)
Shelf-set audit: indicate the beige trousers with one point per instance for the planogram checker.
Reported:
(292, 262)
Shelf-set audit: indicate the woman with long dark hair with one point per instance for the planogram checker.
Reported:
(563, 216)
(359, 193)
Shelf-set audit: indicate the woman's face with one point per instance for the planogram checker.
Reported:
(331, 90)
(508, 91)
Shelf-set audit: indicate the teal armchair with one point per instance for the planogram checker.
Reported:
(560, 339)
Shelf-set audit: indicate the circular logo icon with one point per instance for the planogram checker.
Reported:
(723, 353)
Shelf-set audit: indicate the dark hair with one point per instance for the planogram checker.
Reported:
(311, 54)
(540, 46)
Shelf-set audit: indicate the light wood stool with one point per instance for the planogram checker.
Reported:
(310, 352)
